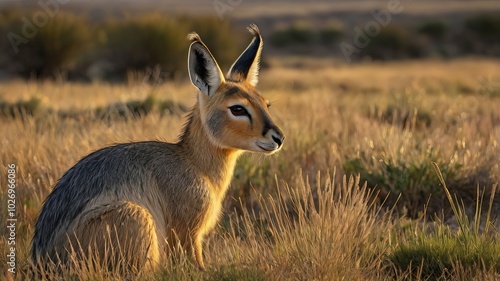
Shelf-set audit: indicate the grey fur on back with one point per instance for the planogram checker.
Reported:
(123, 170)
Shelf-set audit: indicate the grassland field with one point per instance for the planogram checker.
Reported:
(353, 195)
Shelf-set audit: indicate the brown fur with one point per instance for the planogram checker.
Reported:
(128, 205)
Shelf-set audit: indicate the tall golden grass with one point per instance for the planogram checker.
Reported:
(295, 215)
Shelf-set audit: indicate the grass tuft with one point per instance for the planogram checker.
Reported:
(21, 108)
(443, 253)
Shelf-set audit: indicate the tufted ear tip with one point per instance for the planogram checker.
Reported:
(253, 29)
(193, 37)
(246, 67)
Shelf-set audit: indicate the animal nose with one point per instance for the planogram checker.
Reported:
(278, 140)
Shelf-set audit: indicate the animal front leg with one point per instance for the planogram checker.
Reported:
(190, 244)
(198, 251)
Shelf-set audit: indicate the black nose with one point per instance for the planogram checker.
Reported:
(277, 140)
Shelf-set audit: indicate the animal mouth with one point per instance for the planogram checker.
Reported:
(265, 149)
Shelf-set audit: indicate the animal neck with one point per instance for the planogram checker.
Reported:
(213, 163)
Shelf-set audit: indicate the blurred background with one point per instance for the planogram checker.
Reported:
(88, 40)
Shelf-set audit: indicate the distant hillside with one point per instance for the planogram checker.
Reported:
(276, 8)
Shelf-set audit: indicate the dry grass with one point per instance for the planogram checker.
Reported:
(283, 221)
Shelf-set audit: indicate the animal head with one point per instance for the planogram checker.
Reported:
(232, 112)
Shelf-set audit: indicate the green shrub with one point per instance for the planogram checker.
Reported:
(133, 108)
(480, 35)
(436, 30)
(393, 42)
(152, 40)
(20, 108)
(145, 41)
(486, 27)
(280, 38)
(330, 34)
(295, 34)
(436, 255)
(405, 185)
(54, 48)
(403, 111)
(441, 252)
(406, 117)
(302, 34)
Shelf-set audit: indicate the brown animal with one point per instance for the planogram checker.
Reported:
(127, 205)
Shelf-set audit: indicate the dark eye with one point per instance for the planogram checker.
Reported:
(238, 110)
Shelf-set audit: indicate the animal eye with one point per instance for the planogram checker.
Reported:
(238, 110)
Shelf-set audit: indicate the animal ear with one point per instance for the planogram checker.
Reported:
(204, 71)
(246, 67)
